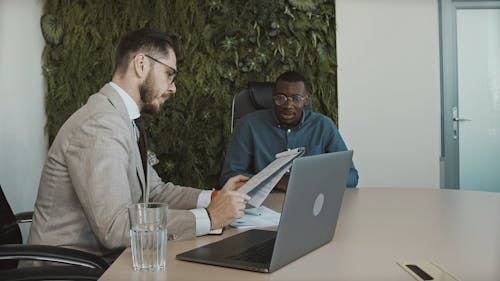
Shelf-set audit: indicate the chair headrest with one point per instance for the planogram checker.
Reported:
(261, 94)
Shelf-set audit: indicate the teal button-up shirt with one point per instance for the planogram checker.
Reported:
(259, 136)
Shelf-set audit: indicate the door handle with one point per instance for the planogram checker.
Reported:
(461, 119)
(455, 120)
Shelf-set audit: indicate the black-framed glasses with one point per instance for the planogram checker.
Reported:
(171, 77)
(281, 99)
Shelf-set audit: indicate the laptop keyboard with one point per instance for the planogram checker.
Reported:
(260, 253)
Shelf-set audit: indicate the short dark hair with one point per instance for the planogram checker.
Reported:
(293, 76)
(146, 40)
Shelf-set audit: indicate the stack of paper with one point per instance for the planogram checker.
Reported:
(257, 217)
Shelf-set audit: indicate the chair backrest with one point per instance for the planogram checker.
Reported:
(10, 233)
(257, 96)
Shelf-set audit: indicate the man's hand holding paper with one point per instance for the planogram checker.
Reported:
(229, 204)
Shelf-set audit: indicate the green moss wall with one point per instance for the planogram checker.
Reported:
(224, 44)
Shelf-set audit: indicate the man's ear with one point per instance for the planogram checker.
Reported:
(307, 99)
(138, 65)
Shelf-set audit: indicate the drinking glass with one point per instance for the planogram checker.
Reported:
(148, 236)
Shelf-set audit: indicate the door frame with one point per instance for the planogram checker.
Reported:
(450, 158)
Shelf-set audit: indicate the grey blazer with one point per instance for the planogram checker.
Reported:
(92, 173)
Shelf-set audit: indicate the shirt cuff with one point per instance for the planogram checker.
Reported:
(202, 221)
(204, 199)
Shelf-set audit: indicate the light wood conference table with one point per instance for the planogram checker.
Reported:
(377, 227)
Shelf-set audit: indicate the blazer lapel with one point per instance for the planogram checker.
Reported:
(117, 102)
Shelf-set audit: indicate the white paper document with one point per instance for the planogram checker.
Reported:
(257, 217)
(259, 186)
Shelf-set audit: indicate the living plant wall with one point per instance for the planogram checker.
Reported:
(224, 44)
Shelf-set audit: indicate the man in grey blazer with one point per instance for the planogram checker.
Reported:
(94, 169)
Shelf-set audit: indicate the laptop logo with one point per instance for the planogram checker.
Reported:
(318, 204)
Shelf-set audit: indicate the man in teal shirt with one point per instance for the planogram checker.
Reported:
(260, 135)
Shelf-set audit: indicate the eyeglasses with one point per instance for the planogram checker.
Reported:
(171, 77)
(282, 99)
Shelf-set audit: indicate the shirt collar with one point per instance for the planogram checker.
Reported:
(130, 105)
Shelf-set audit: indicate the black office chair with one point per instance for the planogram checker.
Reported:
(258, 95)
(79, 265)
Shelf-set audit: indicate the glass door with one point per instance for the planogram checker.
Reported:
(477, 116)
(470, 94)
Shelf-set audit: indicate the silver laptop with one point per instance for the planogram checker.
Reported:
(311, 209)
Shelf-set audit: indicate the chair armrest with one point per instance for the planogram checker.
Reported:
(51, 254)
(52, 273)
(24, 217)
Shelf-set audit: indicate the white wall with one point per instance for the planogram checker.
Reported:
(389, 90)
(23, 144)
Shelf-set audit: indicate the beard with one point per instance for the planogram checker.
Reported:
(148, 96)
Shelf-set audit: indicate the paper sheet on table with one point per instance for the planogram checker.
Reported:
(257, 217)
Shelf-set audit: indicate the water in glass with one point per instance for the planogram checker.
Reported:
(149, 247)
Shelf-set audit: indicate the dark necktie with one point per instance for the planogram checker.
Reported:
(143, 144)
